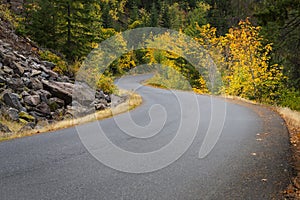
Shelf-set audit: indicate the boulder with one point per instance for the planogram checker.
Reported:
(12, 100)
(24, 94)
(99, 94)
(45, 75)
(61, 90)
(20, 56)
(15, 83)
(2, 79)
(35, 84)
(13, 114)
(33, 100)
(55, 103)
(49, 65)
(49, 72)
(35, 72)
(44, 95)
(8, 59)
(7, 70)
(43, 108)
(26, 81)
(18, 68)
(100, 106)
(84, 94)
(27, 74)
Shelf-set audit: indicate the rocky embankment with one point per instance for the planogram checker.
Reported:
(31, 93)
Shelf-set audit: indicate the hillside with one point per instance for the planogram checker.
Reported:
(32, 95)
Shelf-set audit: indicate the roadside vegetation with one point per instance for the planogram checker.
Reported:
(249, 41)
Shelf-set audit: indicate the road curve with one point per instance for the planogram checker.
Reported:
(249, 161)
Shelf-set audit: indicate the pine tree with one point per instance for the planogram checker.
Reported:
(70, 27)
(154, 16)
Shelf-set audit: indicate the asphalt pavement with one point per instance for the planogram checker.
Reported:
(202, 147)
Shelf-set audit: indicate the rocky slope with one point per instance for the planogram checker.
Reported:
(30, 92)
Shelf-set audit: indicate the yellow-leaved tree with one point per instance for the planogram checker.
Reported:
(243, 59)
(249, 72)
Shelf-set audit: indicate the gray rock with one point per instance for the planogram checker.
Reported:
(12, 100)
(43, 108)
(2, 79)
(100, 94)
(26, 81)
(55, 103)
(49, 65)
(49, 72)
(13, 114)
(61, 90)
(8, 59)
(103, 101)
(27, 74)
(52, 74)
(33, 100)
(84, 94)
(24, 94)
(45, 75)
(108, 98)
(15, 83)
(34, 65)
(44, 95)
(20, 56)
(35, 72)
(18, 68)
(35, 84)
(100, 106)
(8, 70)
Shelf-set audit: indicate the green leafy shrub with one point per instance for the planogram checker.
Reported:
(5, 14)
(106, 84)
(61, 65)
(290, 98)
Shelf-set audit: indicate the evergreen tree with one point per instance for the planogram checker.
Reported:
(281, 25)
(70, 27)
(153, 16)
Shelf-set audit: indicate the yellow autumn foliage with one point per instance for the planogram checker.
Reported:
(243, 59)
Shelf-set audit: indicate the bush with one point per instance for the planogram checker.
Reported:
(290, 98)
(106, 84)
(6, 15)
(61, 65)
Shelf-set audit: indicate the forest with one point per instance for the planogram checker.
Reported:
(254, 43)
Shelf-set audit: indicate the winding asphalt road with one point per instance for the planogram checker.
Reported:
(248, 161)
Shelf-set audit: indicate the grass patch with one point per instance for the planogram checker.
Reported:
(13, 126)
(133, 101)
